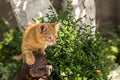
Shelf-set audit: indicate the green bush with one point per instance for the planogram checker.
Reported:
(79, 54)
(114, 41)
(10, 43)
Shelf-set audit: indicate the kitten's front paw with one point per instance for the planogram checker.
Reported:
(43, 52)
(49, 67)
(30, 61)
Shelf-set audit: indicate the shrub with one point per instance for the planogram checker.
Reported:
(10, 43)
(79, 54)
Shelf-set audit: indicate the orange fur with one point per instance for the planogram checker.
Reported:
(36, 38)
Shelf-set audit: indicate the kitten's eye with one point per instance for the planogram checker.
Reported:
(49, 37)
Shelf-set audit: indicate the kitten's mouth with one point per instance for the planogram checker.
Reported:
(51, 43)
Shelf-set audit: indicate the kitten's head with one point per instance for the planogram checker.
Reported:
(48, 32)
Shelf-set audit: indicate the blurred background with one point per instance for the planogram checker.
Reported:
(17, 14)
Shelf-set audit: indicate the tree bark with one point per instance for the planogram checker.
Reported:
(38, 71)
(107, 18)
(26, 10)
(80, 9)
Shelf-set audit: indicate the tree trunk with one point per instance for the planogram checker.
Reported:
(107, 18)
(26, 10)
(80, 9)
(38, 71)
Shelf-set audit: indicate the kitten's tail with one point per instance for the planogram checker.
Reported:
(18, 57)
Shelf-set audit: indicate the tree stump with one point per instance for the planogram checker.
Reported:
(38, 71)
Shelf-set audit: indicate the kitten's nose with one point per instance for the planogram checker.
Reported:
(54, 42)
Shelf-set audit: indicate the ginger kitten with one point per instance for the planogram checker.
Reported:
(36, 38)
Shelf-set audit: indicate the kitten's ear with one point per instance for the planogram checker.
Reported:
(57, 25)
(43, 28)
